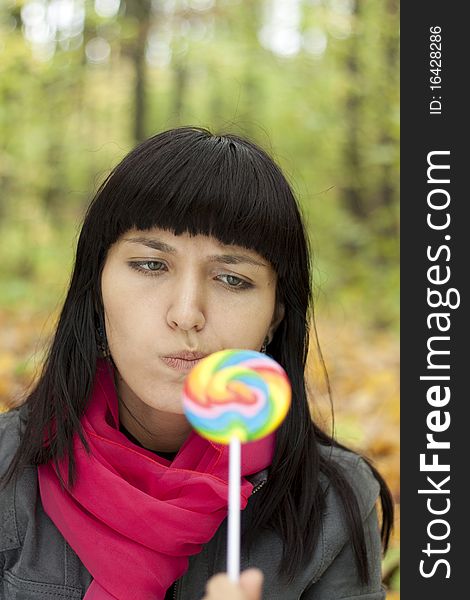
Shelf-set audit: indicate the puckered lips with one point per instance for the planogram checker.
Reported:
(183, 360)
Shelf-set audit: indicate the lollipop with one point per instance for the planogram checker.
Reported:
(236, 393)
(231, 397)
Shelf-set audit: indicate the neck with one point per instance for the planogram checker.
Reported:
(155, 429)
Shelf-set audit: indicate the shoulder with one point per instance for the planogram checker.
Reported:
(332, 571)
(356, 472)
(12, 424)
(35, 559)
(366, 489)
(362, 481)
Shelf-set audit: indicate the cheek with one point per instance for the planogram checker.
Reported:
(130, 320)
(122, 314)
(119, 318)
(244, 323)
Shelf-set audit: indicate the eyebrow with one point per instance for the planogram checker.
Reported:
(152, 243)
(228, 259)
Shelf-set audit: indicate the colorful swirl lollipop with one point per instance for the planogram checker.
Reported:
(231, 397)
(236, 393)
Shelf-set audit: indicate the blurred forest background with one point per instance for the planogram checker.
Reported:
(315, 82)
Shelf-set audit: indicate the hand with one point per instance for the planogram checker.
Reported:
(219, 587)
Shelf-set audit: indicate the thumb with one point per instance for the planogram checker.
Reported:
(251, 582)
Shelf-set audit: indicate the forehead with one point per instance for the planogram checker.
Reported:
(166, 241)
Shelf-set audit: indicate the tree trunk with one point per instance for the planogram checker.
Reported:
(386, 193)
(180, 74)
(252, 89)
(141, 11)
(353, 194)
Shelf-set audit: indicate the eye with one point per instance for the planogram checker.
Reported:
(153, 266)
(156, 265)
(235, 282)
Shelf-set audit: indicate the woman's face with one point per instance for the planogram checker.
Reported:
(168, 296)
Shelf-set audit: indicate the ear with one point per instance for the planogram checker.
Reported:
(279, 314)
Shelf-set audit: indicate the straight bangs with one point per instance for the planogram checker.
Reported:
(189, 181)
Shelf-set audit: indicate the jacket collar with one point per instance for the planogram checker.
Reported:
(258, 478)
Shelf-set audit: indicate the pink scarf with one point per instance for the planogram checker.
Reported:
(134, 518)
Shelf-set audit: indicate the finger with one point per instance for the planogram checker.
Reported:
(220, 586)
(251, 582)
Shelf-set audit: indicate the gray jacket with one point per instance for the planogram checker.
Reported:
(37, 563)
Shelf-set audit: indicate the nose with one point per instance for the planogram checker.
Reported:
(186, 310)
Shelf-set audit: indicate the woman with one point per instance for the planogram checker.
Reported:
(193, 244)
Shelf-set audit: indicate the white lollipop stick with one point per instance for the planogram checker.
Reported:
(233, 540)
